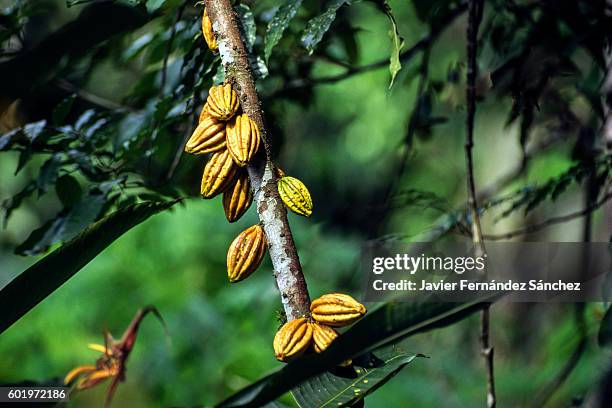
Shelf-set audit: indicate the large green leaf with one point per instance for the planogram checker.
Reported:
(383, 326)
(279, 23)
(329, 390)
(318, 26)
(275, 404)
(44, 277)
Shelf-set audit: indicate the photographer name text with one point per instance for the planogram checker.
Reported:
(467, 285)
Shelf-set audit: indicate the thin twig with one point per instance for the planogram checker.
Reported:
(92, 98)
(164, 74)
(474, 21)
(606, 87)
(528, 229)
(272, 214)
(475, 10)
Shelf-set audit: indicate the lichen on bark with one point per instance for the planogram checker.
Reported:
(272, 213)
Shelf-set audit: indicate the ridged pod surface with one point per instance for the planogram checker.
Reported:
(336, 310)
(218, 174)
(322, 336)
(208, 137)
(242, 139)
(238, 197)
(295, 195)
(292, 339)
(246, 253)
(204, 113)
(207, 30)
(222, 102)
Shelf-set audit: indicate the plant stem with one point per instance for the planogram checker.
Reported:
(475, 9)
(606, 87)
(272, 213)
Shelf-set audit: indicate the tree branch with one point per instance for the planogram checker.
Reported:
(606, 87)
(272, 213)
(475, 9)
(91, 97)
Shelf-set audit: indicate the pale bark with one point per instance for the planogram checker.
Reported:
(272, 213)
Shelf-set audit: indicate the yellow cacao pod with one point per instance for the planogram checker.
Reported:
(238, 197)
(295, 195)
(208, 137)
(204, 113)
(246, 253)
(292, 339)
(222, 102)
(242, 139)
(336, 310)
(322, 336)
(207, 30)
(218, 174)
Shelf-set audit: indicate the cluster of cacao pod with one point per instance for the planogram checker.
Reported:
(316, 332)
(233, 140)
(292, 191)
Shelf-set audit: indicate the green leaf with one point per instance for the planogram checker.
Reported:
(274, 404)
(64, 226)
(318, 26)
(130, 128)
(44, 277)
(48, 173)
(279, 23)
(71, 3)
(154, 5)
(384, 326)
(247, 21)
(24, 158)
(397, 42)
(260, 70)
(219, 76)
(10, 204)
(62, 110)
(68, 190)
(333, 390)
(7, 139)
(33, 130)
